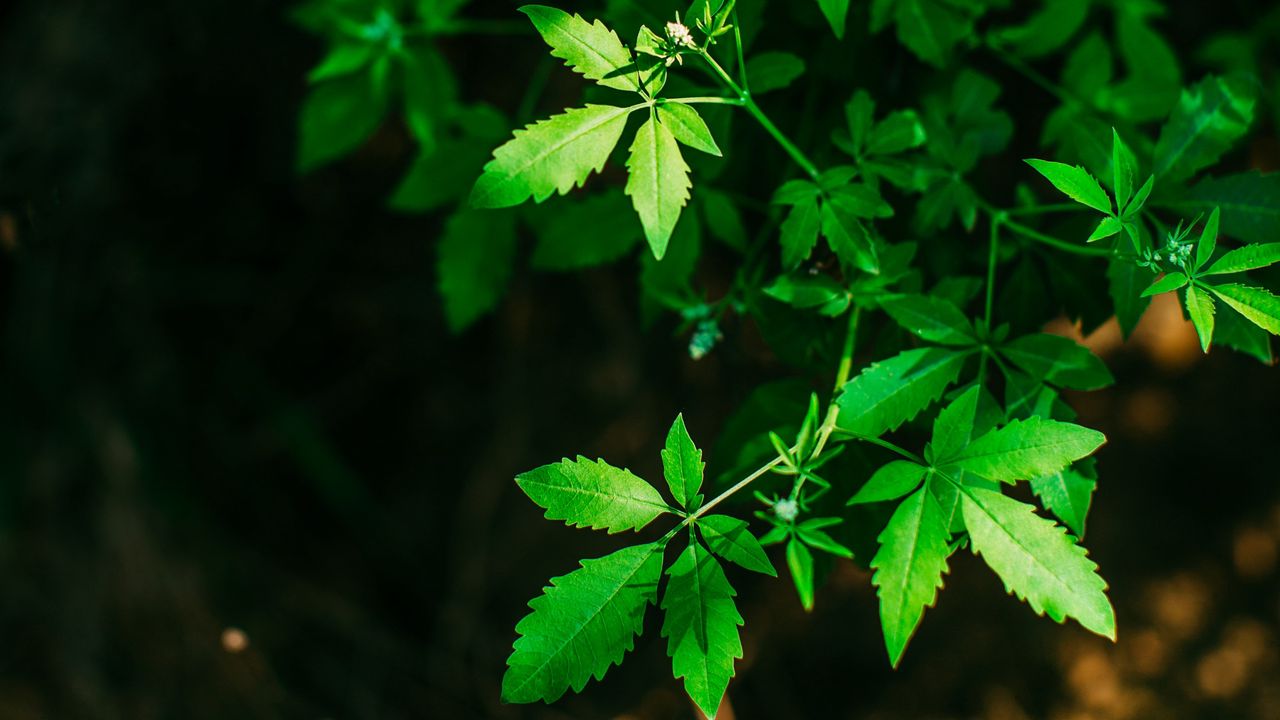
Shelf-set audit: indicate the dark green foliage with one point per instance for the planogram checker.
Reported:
(878, 250)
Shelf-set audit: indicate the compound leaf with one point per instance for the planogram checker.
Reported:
(1210, 117)
(930, 318)
(1058, 360)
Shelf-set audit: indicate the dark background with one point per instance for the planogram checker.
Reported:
(246, 472)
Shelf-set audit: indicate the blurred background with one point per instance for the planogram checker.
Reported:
(246, 471)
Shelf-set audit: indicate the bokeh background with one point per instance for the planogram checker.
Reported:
(247, 472)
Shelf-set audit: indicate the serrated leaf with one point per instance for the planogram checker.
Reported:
(795, 192)
(428, 94)
(1249, 257)
(972, 414)
(909, 567)
(1024, 449)
(800, 563)
(1208, 239)
(594, 495)
(892, 391)
(701, 626)
(729, 538)
(771, 71)
(861, 201)
(688, 127)
(682, 465)
(582, 624)
(588, 48)
(1170, 282)
(1075, 182)
(1258, 305)
(658, 183)
(1058, 360)
(1037, 560)
(475, 257)
(799, 233)
(551, 156)
(1108, 227)
(819, 540)
(930, 318)
(1066, 494)
(859, 113)
(890, 482)
(1211, 116)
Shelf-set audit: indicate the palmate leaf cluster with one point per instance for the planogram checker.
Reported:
(764, 188)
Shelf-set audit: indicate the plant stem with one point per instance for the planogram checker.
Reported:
(996, 222)
(888, 446)
(1054, 242)
(693, 517)
(1044, 209)
(1034, 76)
(737, 44)
(708, 100)
(745, 97)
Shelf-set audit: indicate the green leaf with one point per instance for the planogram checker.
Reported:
(701, 626)
(1066, 494)
(859, 113)
(1170, 282)
(800, 563)
(1208, 239)
(1249, 257)
(476, 254)
(1108, 227)
(930, 318)
(1058, 360)
(337, 117)
(848, 237)
(595, 495)
(909, 567)
(892, 391)
(804, 290)
(551, 156)
(771, 71)
(890, 483)
(1209, 119)
(1047, 30)
(682, 465)
(1125, 282)
(1037, 560)
(899, 131)
(562, 244)
(972, 414)
(688, 127)
(343, 59)
(1250, 204)
(1124, 171)
(582, 624)
(795, 192)
(809, 532)
(929, 28)
(1258, 305)
(1075, 182)
(860, 201)
(658, 183)
(428, 93)
(1025, 449)
(835, 12)
(724, 220)
(800, 233)
(729, 538)
(588, 48)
